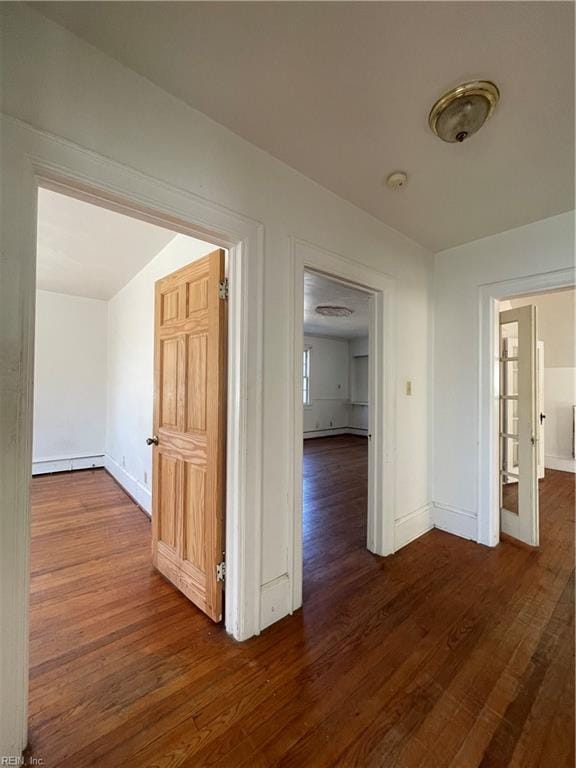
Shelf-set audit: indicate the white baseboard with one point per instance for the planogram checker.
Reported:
(139, 492)
(335, 431)
(442, 516)
(325, 432)
(456, 521)
(412, 526)
(560, 462)
(46, 466)
(275, 600)
(357, 431)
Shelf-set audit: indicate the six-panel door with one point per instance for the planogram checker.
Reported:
(189, 422)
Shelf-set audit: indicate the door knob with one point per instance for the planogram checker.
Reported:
(542, 417)
(152, 440)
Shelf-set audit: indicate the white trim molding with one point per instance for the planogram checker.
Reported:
(560, 462)
(30, 158)
(275, 600)
(488, 383)
(358, 431)
(458, 522)
(382, 398)
(141, 495)
(57, 464)
(413, 525)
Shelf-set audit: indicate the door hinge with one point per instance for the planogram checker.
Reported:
(221, 571)
(223, 289)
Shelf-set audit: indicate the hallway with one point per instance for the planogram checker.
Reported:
(446, 653)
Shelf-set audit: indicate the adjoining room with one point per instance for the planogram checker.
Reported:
(335, 392)
(121, 310)
(537, 416)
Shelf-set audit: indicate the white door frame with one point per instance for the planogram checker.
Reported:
(32, 158)
(381, 397)
(489, 386)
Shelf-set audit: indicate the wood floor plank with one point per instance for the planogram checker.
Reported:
(444, 654)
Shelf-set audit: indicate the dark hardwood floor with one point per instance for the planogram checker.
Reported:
(445, 654)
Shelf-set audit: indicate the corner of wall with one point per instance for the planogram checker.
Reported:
(458, 522)
(139, 493)
(413, 525)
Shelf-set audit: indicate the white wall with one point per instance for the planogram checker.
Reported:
(358, 414)
(559, 401)
(360, 345)
(329, 385)
(332, 387)
(70, 382)
(556, 328)
(556, 312)
(59, 85)
(459, 272)
(130, 382)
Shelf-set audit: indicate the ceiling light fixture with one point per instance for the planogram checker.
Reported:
(331, 311)
(462, 111)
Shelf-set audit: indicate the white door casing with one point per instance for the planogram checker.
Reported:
(36, 158)
(488, 370)
(381, 396)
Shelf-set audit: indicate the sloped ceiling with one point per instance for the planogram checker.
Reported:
(88, 251)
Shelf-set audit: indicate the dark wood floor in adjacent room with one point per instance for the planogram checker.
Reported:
(445, 654)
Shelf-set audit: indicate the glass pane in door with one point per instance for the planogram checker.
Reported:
(509, 417)
(509, 493)
(509, 467)
(517, 428)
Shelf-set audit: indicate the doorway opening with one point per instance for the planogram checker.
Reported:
(345, 406)
(336, 370)
(40, 161)
(537, 411)
(130, 395)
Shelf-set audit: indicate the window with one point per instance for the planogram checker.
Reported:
(306, 377)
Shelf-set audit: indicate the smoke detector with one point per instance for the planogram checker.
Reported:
(397, 180)
(461, 112)
(332, 311)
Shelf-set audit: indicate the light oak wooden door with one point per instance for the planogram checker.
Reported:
(190, 431)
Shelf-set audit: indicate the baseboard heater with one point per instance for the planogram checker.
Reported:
(336, 431)
(48, 466)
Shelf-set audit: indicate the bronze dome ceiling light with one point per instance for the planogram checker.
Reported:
(462, 111)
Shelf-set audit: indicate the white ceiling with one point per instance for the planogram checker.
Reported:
(321, 290)
(88, 251)
(341, 91)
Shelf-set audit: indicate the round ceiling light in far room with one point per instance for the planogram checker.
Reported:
(329, 310)
(462, 111)
(397, 180)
